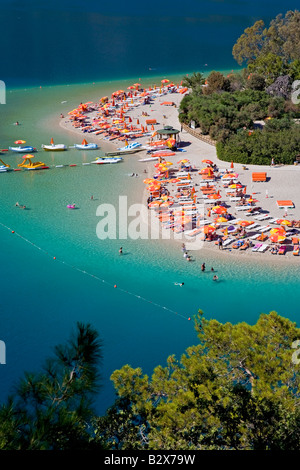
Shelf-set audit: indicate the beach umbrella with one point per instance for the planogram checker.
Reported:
(148, 180)
(184, 161)
(245, 223)
(235, 186)
(284, 222)
(165, 80)
(277, 238)
(214, 196)
(20, 142)
(231, 228)
(278, 231)
(28, 156)
(219, 210)
(209, 229)
(221, 219)
(209, 162)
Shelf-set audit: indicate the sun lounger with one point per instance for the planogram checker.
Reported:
(251, 214)
(238, 244)
(254, 237)
(244, 246)
(263, 248)
(233, 199)
(262, 217)
(263, 228)
(257, 246)
(282, 250)
(227, 242)
(296, 250)
(241, 208)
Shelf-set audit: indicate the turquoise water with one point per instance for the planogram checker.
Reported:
(145, 318)
(72, 41)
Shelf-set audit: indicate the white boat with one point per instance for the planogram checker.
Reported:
(149, 159)
(85, 146)
(131, 146)
(26, 149)
(54, 147)
(103, 160)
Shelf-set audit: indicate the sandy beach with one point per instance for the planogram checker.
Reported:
(281, 184)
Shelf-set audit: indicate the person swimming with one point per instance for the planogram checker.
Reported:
(179, 284)
(215, 278)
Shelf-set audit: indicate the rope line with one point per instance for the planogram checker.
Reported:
(82, 271)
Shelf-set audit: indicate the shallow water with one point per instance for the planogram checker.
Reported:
(145, 318)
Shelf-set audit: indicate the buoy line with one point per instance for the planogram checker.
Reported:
(115, 286)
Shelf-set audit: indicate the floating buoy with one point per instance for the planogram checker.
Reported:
(115, 285)
(12, 231)
(189, 318)
(54, 257)
(73, 165)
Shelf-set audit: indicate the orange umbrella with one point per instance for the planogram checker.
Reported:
(278, 231)
(219, 210)
(277, 238)
(209, 162)
(214, 196)
(284, 222)
(209, 229)
(245, 223)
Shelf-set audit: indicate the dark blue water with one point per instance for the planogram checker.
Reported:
(74, 41)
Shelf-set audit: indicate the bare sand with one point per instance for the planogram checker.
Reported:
(282, 181)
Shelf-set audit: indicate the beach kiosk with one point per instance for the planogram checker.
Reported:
(169, 133)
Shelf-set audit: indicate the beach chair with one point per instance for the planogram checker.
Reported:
(255, 236)
(296, 250)
(256, 247)
(227, 242)
(263, 248)
(282, 250)
(237, 244)
(263, 228)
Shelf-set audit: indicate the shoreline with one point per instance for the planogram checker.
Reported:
(196, 150)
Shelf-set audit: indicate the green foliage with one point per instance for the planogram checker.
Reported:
(51, 410)
(280, 40)
(280, 141)
(268, 65)
(236, 389)
(194, 81)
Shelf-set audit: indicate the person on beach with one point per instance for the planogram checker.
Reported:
(121, 251)
(203, 267)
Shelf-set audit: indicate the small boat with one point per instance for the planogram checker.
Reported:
(71, 206)
(123, 152)
(103, 160)
(85, 146)
(54, 147)
(22, 149)
(4, 167)
(131, 146)
(29, 165)
(148, 159)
